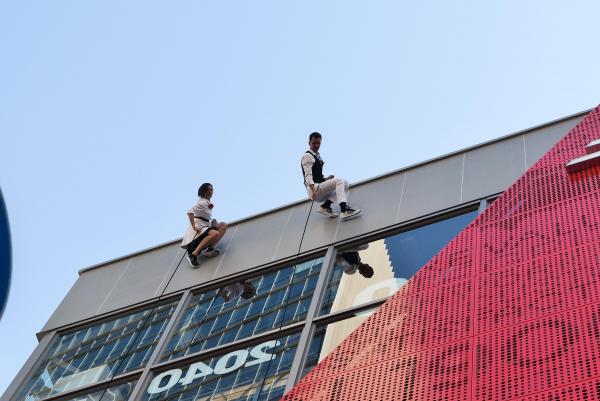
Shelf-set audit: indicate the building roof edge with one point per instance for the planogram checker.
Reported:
(367, 180)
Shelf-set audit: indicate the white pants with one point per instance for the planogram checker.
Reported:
(333, 190)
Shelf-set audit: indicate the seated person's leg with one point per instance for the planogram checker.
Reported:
(351, 257)
(211, 238)
(326, 194)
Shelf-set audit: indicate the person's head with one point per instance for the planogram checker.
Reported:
(205, 190)
(314, 141)
(249, 290)
(365, 270)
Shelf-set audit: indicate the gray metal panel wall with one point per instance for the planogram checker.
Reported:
(432, 187)
(274, 236)
(490, 168)
(538, 142)
(86, 295)
(380, 199)
(115, 286)
(144, 278)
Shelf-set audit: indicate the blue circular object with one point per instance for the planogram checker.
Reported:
(5, 255)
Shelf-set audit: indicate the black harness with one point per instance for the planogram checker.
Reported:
(317, 169)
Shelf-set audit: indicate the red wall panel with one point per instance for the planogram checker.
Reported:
(508, 310)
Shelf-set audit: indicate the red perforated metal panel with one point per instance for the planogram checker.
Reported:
(508, 310)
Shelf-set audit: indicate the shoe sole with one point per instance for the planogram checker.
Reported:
(191, 264)
(331, 215)
(211, 254)
(350, 217)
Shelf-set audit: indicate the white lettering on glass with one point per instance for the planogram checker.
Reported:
(173, 375)
(226, 364)
(239, 358)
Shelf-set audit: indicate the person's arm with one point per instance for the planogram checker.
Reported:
(223, 293)
(307, 162)
(191, 217)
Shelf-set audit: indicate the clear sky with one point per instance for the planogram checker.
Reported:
(113, 112)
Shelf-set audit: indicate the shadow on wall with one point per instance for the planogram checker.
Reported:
(5, 255)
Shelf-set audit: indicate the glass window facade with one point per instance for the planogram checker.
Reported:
(98, 352)
(258, 372)
(394, 260)
(86, 358)
(119, 392)
(282, 297)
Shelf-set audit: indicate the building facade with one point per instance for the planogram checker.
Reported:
(443, 316)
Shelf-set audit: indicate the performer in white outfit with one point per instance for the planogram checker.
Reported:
(243, 289)
(324, 189)
(349, 261)
(203, 232)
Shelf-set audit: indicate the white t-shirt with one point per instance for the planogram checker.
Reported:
(234, 291)
(202, 209)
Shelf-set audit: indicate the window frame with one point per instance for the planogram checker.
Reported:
(306, 326)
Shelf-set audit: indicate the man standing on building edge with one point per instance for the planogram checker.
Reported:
(324, 189)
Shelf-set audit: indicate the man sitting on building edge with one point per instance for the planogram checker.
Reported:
(349, 261)
(328, 189)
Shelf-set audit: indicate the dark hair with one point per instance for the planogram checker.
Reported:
(249, 290)
(203, 188)
(314, 135)
(365, 269)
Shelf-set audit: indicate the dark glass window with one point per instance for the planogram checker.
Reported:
(120, 392)
(258, 372)
(394, 260)
(282, 297)
(98, 352)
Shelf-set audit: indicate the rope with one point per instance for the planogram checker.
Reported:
(155, 305)
(259, 390)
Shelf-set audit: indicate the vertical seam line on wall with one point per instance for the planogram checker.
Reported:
(401, 196)
(524, 151)
(175, 264)
(287, 222)
(114, 286)
(225, 252)
(339, 221)
(144, 378)
(462, 177)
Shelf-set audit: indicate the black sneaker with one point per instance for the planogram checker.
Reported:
(193, 259)
(190, 249)
(349, 213)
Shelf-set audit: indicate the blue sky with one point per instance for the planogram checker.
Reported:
(113, 112)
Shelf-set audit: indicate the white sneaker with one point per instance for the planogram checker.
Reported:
(327, 212)
(211, 253)
(349, 213)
